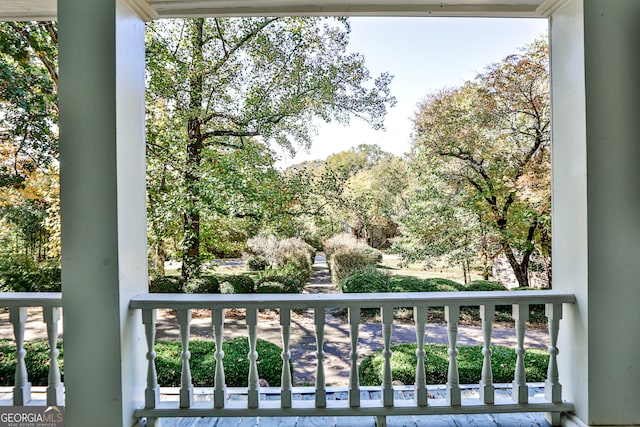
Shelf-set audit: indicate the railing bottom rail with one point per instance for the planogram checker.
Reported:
(304, 405)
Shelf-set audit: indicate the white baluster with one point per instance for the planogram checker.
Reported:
(354, 380)
(552, 387)
(55, 393)
(452, 316)
(220, 386)
(186, 387)
(152, 392)
(22, 386)
(253, 391)
(321, 392)
(487, 314)
(387, 387)
(520, 392)
(420, 319)
(285, 386)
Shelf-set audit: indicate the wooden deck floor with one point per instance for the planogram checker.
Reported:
(482, 420)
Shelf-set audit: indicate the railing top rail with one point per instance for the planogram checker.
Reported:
(373, 300)
(30, 299)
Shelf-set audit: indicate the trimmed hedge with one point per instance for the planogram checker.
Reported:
(404, 360)
(203, 362)
(165, 284)
(36, 359)
(203, 285)
(239, 284)
(168, 365)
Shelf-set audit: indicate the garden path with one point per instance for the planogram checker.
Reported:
(337, 341)
(303, 347)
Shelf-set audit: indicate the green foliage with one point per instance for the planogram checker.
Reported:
(20, 273)
(337, 242)
(484, 285)
(28, 98)
(274, 287)
(165, 284)
(203, 363)
(481, 158)
(367, 280)
(291, 257)
(346, 255)
(36, 359)
(215, 86)
(202, 285)
(237, 284)
(470, 358)
(346, 262)
(256, 263)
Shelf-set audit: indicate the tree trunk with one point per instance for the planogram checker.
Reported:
(191, 235)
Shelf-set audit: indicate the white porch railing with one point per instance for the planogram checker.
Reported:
(552, 403)
(18, 304)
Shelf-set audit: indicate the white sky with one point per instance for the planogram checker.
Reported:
(423, 55)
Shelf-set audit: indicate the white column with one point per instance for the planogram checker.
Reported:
(104, 256)
(596, 232)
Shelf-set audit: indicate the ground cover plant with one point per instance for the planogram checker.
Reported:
(168, 363)
(404, 360)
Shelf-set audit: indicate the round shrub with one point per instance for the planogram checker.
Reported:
(203, 285)
(484, 285)
(203, 362)
(256, 263)
(240, 284)
(444, 285)
(367, 280)
(404, 360)
(165, 284)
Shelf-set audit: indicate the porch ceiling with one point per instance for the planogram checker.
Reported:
(150, 9)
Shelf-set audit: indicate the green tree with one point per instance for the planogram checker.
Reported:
(28, 98)
(29, 139)
(487, 144)
(229, 80)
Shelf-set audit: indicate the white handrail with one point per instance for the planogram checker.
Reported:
(421, 301)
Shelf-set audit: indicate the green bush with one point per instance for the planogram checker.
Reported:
(272, 278)
(203, 285)
(367, 280)
(337, 242)
(267, 287)
(239, 284)
(203, 363)
(36, 359)
(404, 360)
(444, 285)
(165, 284)
(256, 263)
(484, 285)
(373, 254)
(345, 262)
(20, 273)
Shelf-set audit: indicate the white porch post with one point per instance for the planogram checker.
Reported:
(596, 204)
(104, 258)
